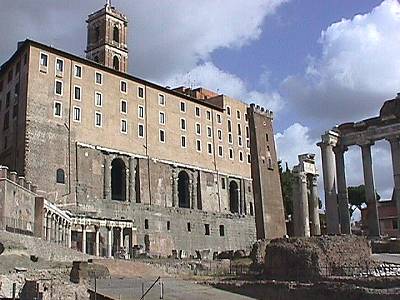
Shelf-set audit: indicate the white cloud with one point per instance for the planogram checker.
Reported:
(358, 69)
(213, 78)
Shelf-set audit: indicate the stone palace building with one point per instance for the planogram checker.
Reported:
(120, 161)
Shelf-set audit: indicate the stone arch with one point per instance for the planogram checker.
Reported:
(234, 197)
(116, 34)
(118, 180)
(116, 63)
(60, 176)
(183, 189)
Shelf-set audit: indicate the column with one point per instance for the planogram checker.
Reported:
(372, 209)
(194, 191)
(174, 188)
(69, 236)
(121, 237)
(60, 231)
(301, 220)
(132, 177)
(395, 150)
(84, 238)
(313, 206)
(97, 242)
(109, 241)
(343, 198)
(48, 226)
(329, 172)
(107, 178)
(56, 232)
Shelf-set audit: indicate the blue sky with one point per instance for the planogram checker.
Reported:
(314, 63)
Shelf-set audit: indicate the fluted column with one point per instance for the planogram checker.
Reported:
(84, 238)
(313, 206)
(132, 176)
(329, 173)
(343, 198)
(372, 209)
(109, 241)
(395, 149)
(107, 178)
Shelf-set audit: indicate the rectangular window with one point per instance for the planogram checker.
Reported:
(239, 129)
(230, 139)
(59, 88)
(77, 93)
(140, 92)
(162, 136)
(183, 124)
(240, 141)
(77, 71)
(189, 229)
(207, 229)
(161, 99)
(59, 65)
(124, 87)
(98, 119)
(98, 99)
(141, 112)
(209, 131)
(230, 153)
(248, 143)
(220, 151)
(183, 141)
(124, 126)
(219, 120)
(5, 142)
(247, 132)
(198, 145)
(162, 118)
(221, 230)
(223, 183)
(124, 106)
(99, 78)
(168, 225)
(208, 115)
(266, 137)
(198, 129)
(219, 132)
(229, 126)
(246, 118)
(77, 114)
(197, 111)
(228, 110)
(141, 130)
(57, 109)
(183, 107)
(209, 148)
(44, 59)
(248, 158)
(238, 116)
(241, 156)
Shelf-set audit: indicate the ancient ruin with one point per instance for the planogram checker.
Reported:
(363, 134)
(305, 198)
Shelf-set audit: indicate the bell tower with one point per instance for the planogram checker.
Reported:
(107, 38)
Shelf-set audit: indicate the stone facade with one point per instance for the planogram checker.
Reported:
(106, 145)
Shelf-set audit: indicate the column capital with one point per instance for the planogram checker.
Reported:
(340, 149)
(365, 143)
(393, 139)
(330, 138)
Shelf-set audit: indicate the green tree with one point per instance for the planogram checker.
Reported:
(357, 197)
(287, 187)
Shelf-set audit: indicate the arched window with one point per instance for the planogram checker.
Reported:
(118, 180)
(233, 197)
(116, 63)
(60, 176)
(183, 189)
(116, 34)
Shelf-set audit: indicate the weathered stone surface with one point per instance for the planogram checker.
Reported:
(304, 258)
(257, 253)
(84, 271)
